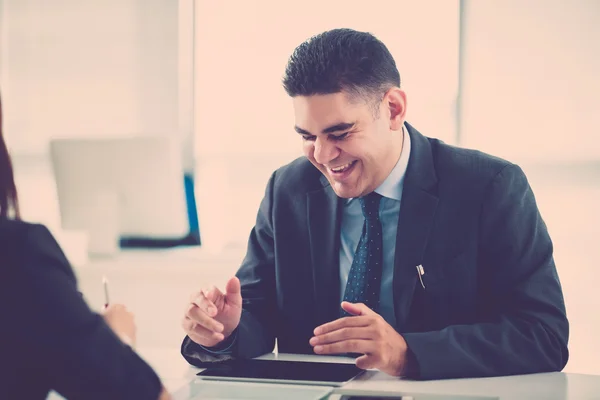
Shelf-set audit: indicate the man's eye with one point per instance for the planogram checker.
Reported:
(309, 138)
(339, 137)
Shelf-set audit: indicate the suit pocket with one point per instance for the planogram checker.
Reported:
(445, 270)
(450, 290)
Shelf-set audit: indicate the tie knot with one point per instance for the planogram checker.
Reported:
(370, 205)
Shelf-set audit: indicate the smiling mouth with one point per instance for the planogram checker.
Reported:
(342, 168)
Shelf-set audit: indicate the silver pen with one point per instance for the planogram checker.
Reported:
(105, 284)
(420, 273)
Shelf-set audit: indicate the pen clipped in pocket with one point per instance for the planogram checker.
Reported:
(420, 273)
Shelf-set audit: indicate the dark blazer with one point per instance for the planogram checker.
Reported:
(49, 338)
(492, 302)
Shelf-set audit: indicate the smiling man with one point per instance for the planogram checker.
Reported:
(423, 259)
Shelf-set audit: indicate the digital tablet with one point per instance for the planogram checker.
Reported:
(275, 371)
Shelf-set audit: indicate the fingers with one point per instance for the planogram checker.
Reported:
(232, 295)
(346, 346)
(345, 322)
(202, 302)
(114, 308)
(233, 292)
(122, 322)
(199, 317)
(357, 308)
(201, 311)
(201, 335)
(346, 335)
(199, 321)
(213, 294)
(117, 312)
(365, 333)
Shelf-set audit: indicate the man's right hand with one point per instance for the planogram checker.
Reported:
(212, 316)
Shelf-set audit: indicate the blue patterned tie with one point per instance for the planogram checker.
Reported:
(364, 279)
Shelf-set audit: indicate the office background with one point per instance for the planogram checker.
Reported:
(515, 78)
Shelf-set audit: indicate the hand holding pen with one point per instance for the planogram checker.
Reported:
(118, 318)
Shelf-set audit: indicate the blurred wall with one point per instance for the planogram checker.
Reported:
(531, 79)
(71, 68)
(88, 68)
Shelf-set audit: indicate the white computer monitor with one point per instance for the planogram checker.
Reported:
(145, 173)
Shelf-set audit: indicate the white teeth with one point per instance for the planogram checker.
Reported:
(341, 168)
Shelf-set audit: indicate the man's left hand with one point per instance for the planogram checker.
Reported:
(365, 332)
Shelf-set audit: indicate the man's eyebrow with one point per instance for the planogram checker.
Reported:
(342, 126)
(301, 131)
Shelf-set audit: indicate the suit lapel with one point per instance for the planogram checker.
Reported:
(324, 217)
(417, 211)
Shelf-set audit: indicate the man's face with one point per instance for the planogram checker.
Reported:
(354, 149)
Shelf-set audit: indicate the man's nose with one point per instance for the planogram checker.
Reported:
(325, 151)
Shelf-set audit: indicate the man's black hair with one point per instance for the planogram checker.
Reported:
(341, 60)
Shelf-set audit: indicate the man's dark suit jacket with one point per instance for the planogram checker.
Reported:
(492, 302)
(49, 338)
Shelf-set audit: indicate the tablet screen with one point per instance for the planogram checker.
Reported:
(330, 374)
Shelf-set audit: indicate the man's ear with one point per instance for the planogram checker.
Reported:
(395, 100)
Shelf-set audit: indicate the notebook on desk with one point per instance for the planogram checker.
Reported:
(276, 371)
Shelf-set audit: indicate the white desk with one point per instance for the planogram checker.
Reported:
(179, 379)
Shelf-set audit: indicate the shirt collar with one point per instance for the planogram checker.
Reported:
(393, 184)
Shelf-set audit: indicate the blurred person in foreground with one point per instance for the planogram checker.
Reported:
(424, 259)
(50, 339)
